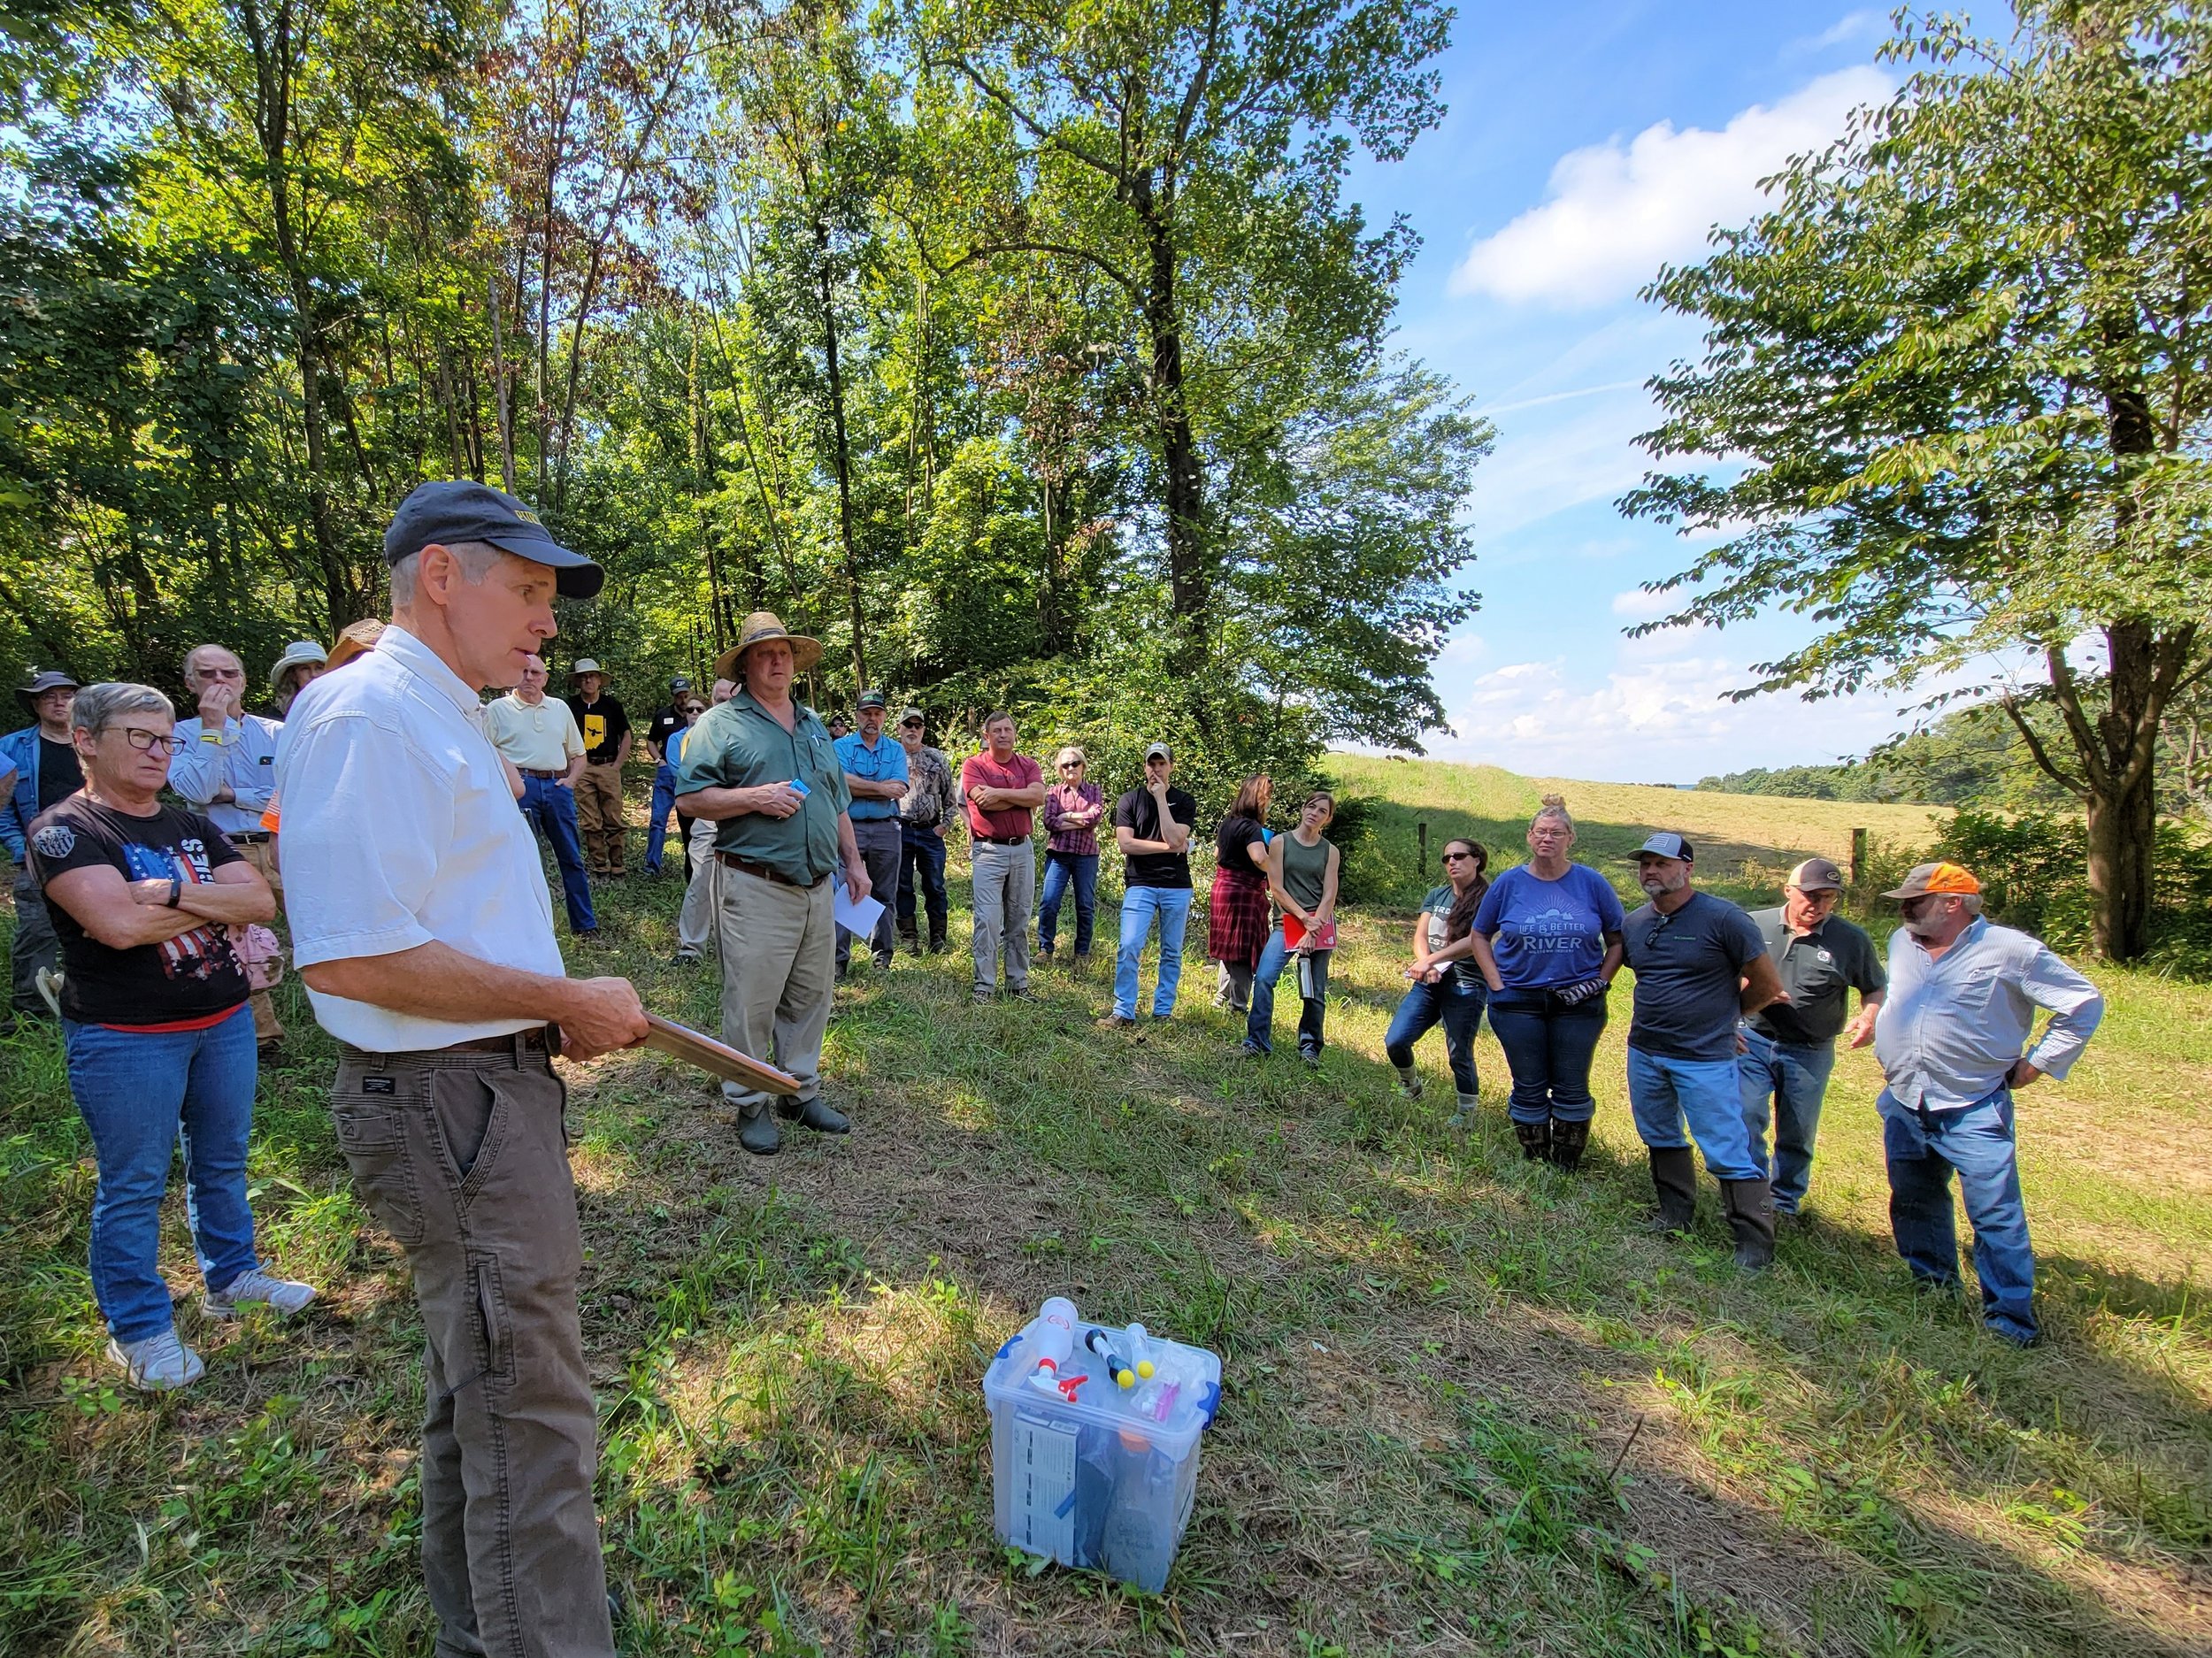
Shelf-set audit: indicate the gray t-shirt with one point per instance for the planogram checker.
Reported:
(1689, 972)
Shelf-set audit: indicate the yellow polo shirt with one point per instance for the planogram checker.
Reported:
(539, 738)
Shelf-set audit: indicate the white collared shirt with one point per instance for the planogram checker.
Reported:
(1954, 1025)
(540, 736)
(242, 754)
(399, 829)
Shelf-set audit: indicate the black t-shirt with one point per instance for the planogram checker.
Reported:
(190, 977)
(59, 774)
(1817, 970)
(1230, 841)
(604, 725)
(1689, 969)
(664, 725)
(1139, 813)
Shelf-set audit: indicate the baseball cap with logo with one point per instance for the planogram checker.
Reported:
(1665, 844)
(1158, 752)
(913, 716)
(872, 699)
(447, 512)
(1816, 875)
(1935, 877)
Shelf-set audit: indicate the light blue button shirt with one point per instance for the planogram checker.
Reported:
(885, 763)
(1953, 1025)
(242, 755)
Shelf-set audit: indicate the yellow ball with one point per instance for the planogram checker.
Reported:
(1127, 1378)
(1144, 1368)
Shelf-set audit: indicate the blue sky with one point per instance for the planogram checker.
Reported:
(1588, 144)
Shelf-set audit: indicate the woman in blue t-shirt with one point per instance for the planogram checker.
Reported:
(1548, 939)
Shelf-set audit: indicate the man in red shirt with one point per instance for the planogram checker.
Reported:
(1002, 790)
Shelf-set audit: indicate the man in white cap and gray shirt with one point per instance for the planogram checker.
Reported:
(1789, 1047)
(423, 928)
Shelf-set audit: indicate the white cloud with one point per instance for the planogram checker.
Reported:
(1852, 25)
(1639, 604)
(1466, 647)
(1617, 212)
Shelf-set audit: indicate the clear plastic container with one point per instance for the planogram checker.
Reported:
(1103, 1479)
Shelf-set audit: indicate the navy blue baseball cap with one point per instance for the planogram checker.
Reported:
(445, 512)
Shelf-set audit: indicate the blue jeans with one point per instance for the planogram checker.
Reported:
(1061, 868)
(1275, 954)
(1663, 1092)
(1548, 1047)
(922, 859)
(1139, 905)
(143, 1094)
(1923, 1148)
(1794, 1078)
(664, 803)
(1458, 1004)
(551, 811)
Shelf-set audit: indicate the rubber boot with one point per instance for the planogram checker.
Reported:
(1674, 1178)
(1749, 1205)
(1409, 1081)
(1535, 1139)
(1568, 1141)
(814, 1115)
(757, 1132)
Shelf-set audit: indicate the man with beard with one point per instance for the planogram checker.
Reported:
(1952, 1038)
(1701, 967)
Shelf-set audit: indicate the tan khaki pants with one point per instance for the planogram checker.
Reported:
(698, 925)
(263, 856)
(463, 1159)
(778, 976)
(599, 817)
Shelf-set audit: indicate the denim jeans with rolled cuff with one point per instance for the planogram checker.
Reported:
(1453, 1001)
(1548, 1047)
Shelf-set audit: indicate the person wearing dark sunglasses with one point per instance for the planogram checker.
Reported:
(1445, 985)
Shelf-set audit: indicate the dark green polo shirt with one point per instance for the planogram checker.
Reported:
(1817, 970)
(742, 745)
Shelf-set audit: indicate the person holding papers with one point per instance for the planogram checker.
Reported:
(763, 767)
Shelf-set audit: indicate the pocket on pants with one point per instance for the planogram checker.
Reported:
(494, 1327)
(373, 1137)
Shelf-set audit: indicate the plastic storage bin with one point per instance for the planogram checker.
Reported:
(1106, 1479)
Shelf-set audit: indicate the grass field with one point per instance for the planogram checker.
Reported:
(1468, 1405)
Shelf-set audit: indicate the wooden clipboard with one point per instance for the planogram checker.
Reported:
(718, 1058)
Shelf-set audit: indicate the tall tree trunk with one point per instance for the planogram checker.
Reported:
(502, 397)
(1190, 584)
(843, 455)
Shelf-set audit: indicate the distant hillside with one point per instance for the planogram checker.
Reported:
(1745, 841)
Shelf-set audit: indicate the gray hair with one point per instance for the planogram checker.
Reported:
(1970, 902)
(477, 559)
(1554, 806)
(99, 706)
(192, 674)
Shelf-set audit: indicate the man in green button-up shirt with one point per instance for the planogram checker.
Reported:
(763, 766)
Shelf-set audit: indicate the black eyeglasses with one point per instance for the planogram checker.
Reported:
(145, 741)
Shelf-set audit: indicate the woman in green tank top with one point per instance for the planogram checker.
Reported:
(1301, 874)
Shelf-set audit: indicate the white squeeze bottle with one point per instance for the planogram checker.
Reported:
(1055, 1343)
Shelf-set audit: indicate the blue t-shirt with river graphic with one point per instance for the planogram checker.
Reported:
(1548, 934)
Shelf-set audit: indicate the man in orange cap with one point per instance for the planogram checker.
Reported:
(1952, 1039)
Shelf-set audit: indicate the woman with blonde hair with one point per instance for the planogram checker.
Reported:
(1547, 941)
(1073, 805)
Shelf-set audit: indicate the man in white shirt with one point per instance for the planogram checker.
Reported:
(538, 737)
(225, 767)
(1952, 1039)
(424, 932)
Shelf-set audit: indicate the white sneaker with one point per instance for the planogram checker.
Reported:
(254, 1284)
(158, 1363)
(49, 982)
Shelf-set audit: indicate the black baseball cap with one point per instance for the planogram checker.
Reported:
(447, 512)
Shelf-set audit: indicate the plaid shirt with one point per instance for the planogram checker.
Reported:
(931, 797)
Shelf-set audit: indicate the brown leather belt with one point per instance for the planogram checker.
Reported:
(548, 777)
(730, 860)
(536, 1038)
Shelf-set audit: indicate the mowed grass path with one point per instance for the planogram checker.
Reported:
(1470, 1407)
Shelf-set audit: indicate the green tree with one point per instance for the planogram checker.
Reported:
(1967, 362)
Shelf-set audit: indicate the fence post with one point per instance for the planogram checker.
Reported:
(1858, 858)
(1422, 870)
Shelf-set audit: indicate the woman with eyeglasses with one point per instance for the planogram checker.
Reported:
(149, 903)
(690, 708)
(1236, 911)
(1446, 986)
(1073, 809)
(1547, 941)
